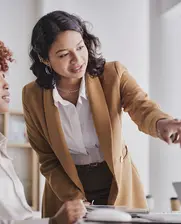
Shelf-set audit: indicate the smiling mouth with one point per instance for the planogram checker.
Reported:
(6, 98)
(77, 69)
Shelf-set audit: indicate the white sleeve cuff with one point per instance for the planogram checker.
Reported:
(33, 221)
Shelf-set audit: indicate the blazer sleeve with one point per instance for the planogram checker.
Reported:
(50, 166)
(143, 111)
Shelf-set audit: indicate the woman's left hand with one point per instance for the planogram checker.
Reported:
(169, 130)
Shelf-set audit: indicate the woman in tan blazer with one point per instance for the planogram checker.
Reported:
(73, 113)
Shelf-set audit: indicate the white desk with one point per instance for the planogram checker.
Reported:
(151, 217)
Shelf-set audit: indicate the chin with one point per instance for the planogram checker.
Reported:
(82, 73)
(4, 109)
(79, 75)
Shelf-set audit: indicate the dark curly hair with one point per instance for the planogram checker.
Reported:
(5, 57)
(44, 34)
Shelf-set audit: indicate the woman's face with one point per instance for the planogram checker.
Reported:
(68, 55)
(4, 94)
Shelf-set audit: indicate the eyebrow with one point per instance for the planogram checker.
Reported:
(66, 49)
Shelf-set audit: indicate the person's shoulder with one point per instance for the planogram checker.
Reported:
(32, 93)
(32, 88)
(114, 67)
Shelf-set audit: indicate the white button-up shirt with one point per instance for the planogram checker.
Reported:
(13, 204)
(78, 127)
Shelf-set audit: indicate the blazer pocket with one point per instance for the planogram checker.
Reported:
(124, 154)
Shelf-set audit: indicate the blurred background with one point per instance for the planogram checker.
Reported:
(145, 36)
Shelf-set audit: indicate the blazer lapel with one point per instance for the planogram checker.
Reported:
(57, 138)
(101, 118)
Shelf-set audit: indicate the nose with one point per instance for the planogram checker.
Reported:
(75, 58)
(5, 85)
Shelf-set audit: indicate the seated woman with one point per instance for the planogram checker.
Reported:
(13, 205)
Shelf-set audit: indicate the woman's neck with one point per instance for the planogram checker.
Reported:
(69, 84)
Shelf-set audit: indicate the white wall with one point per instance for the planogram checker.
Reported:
(123, 28)
(16, 21)
(165, 67)
(167, 5)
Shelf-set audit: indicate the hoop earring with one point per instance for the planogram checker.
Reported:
(48, 70)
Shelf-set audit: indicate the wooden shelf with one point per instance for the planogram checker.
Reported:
(13, 112)
(14, 145)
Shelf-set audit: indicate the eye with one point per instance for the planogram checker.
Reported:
(3, 75)
(80, 48)
(63, 55)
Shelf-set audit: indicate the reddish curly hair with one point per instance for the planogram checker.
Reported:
(5, 57)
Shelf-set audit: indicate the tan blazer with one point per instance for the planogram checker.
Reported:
(108, 96)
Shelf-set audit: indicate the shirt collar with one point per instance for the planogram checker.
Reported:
(3, 145)
(3, 140)
(58, 99)
(82, 91)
